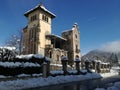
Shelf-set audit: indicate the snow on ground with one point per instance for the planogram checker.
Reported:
(112, 73)
(39, 81)
(116, 85)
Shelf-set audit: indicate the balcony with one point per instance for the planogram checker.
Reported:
(49, 46)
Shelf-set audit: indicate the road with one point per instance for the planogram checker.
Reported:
(83, 85)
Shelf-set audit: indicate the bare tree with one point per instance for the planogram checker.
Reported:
(16, 41)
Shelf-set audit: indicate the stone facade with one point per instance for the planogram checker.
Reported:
(39, 40)
(73, 43)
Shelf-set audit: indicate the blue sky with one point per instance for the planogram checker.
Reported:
(98, 20)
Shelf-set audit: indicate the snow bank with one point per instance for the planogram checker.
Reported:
(38, 82)
(112, 73)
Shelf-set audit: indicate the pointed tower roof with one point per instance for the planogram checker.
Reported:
(39, 7)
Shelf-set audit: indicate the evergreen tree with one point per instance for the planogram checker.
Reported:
(113, 59)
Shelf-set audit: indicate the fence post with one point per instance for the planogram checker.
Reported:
(86, 65)
(48, 68)
(44, 69)
(98, 67)
(47, 60)
(77, 61)
(64, 61)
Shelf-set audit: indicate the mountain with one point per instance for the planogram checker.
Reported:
(100, 55)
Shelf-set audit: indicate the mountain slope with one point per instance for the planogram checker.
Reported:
(98, 54)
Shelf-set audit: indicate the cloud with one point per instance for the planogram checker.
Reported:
(111, 47)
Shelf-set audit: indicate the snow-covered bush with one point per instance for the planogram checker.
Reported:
(7, 53)
(12, 69)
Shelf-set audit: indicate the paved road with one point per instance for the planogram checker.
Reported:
(83, 85)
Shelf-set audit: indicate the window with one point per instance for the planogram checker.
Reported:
(45, 18)
(75, 35)
(33, 18)
(77, 56)
(57, 57)
(76, 47)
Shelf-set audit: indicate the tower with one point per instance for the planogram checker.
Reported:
(73, 43)
(39, 25)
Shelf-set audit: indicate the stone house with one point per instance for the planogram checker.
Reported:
(38, 38)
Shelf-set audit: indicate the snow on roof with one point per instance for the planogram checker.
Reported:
(41, 7)
(73, 28)
(59, 37)
(67, 31)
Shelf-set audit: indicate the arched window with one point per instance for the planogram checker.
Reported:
(57, 57)
(75, 35)
(77, 56)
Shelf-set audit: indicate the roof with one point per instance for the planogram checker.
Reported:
(70, 30)
(41, 7)
(67, 31)
(56, 36)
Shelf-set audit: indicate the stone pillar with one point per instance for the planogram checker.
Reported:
(87, 65)
(44, 70)
(109, 67)
(102, 68)
(77, 62)
(47, 60)
(48, 68)
(78, 66)
(95, 66)
(98, 67)
(64, 61)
